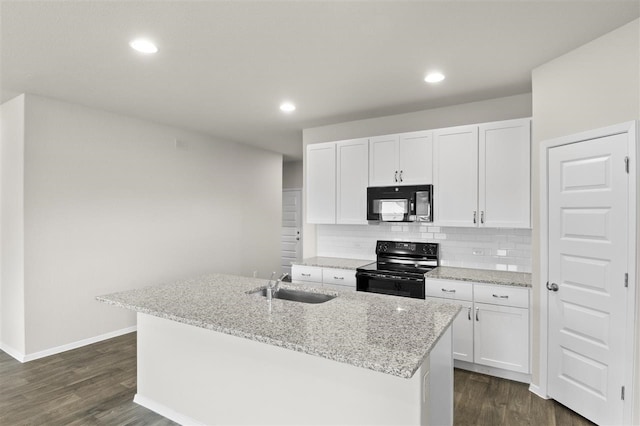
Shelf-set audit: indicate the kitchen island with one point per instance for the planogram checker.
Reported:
(210, 352)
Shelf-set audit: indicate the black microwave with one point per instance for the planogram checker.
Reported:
(411, 203)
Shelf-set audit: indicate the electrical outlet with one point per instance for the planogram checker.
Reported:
(478, 252)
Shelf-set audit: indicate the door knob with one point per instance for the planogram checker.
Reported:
(552, 286)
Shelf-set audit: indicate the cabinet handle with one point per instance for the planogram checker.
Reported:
(395, 176)
(500, 297)
(469, 313)
(448, 291)
(305, 275)
(474, 217)
(338, 278)
(477, 309)
(482, 216)
(400, 175)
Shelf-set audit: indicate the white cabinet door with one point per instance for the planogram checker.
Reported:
(321, 183)
(462, 329)
(415, 155)
(383, 160)
(501, 337)
(463, 332)
(352, 179)
(456, 176)
(504, 174)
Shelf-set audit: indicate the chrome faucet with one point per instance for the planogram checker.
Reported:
(272, 288)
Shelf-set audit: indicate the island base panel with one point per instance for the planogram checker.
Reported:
(194, 375)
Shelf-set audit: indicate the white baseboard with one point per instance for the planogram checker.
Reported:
(14, 353)
(491, 371)
(165, 411)
(59, 349)
(535, 389)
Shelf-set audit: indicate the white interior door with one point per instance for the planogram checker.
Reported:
(291, 228)
(588, 231)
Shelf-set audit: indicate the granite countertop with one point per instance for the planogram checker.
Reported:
(518, 279)
(333, 262)
(382, 333)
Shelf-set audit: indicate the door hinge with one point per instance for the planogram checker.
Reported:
(626, 164)
(622, 394)
(626, 279)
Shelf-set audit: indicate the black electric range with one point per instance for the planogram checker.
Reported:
(399, 269)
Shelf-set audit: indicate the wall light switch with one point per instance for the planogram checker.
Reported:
(478, 252)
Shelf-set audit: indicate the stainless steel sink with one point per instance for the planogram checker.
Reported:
(296, 295)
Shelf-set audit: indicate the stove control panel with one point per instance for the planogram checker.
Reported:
(409, 248)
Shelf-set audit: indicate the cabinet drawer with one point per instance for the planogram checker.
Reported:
(343, 277)
(306, 273)
(502, 295)
(449, 289)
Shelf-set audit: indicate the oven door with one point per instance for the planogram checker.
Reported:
(388, 284)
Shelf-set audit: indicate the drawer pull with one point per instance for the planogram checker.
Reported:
(500, 297)
(448, 291)
(469, 313)
(477, 309)
(338, 278)
(305, 275)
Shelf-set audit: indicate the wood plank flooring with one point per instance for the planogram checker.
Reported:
(95, 385)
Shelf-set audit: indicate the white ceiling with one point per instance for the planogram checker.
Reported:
(224, 67)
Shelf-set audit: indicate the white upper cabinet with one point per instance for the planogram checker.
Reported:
(504, 174)
(415, 158)
(455, 183)
(482, 175)
(352, 178)
(383, 160)
(404, 159)
(321, 183)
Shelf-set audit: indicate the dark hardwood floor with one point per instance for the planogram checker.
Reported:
(91, 385)
(95, 385)
(487, 400)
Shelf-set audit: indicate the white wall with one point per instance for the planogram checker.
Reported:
(111, 203)
(12, 137)
(593, 86)
(476, 112)
(292, 175)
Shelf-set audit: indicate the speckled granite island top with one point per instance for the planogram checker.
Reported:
(383, 333)
(518, 279)
(333, 262)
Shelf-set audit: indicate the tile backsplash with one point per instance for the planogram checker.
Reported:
(482, 248)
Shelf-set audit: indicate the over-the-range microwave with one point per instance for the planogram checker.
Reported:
(411, 203)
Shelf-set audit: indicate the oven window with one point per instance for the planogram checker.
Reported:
(394, 287)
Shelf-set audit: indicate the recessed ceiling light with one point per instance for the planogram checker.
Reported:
(143, 46)
(434, 77)
(287, 107)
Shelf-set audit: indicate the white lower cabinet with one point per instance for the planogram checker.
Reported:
(330, 278)
(501, 337)
(463, 332)
(459, 293)
(306, 274)
(492, 329)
